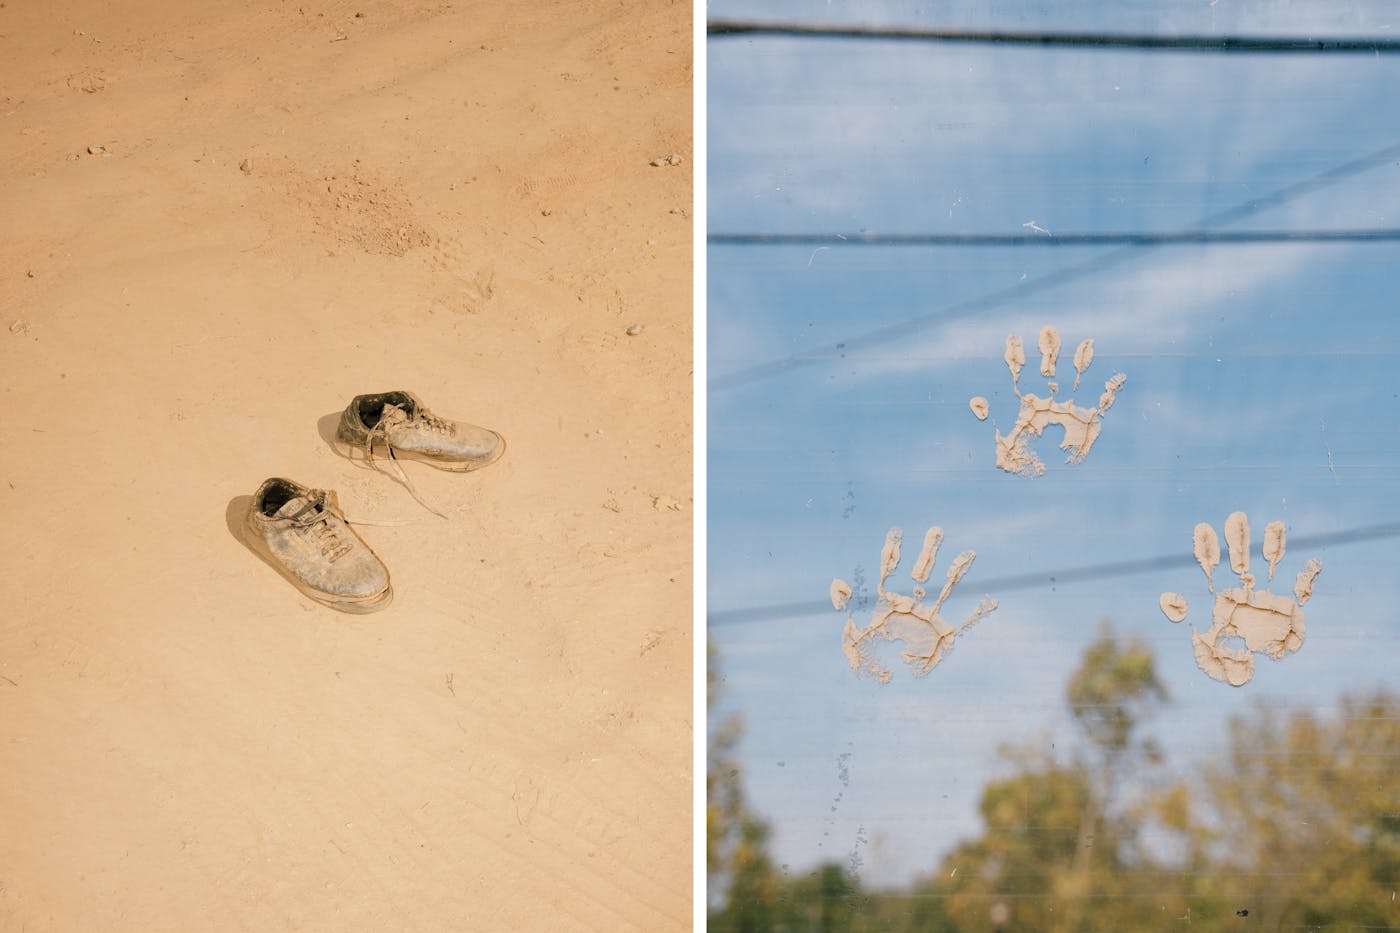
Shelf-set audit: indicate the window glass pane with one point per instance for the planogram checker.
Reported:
(1223, 226)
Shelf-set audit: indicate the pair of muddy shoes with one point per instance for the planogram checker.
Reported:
(302, 533)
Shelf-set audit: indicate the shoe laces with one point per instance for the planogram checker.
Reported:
(380, 433)
(314, 520)
(435, 423)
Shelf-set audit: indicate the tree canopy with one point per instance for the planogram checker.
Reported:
(1297, 826)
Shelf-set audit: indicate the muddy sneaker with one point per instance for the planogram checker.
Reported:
(399, 423)
(302, 534)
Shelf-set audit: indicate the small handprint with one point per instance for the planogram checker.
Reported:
(1267, 623)
(1082, 425)
(927, 638)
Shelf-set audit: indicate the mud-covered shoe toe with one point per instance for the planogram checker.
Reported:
(460, 448)
(358, 576)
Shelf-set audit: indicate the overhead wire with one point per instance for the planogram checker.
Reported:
(1062, 276)
(734, 28)
(1056, 577)
(1048, 239)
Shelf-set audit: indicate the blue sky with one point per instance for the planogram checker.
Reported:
(1261, 379)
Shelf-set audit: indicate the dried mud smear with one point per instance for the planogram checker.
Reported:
(1081, 425)
(1264, 622)
(926, 637)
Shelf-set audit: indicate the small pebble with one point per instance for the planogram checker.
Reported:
(96, 150)
(246, 166)
(634, 330)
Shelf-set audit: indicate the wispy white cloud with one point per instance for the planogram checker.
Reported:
(1134, 310)
(795, 140)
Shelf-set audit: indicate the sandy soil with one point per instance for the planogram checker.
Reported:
(220, 222)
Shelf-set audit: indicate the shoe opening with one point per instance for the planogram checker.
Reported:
(372, 406)
(277, 494)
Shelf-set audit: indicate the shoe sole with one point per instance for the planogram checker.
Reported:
(350, 451)
(362, 605)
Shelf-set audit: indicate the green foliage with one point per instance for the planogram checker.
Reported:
(1033, 824)
(1115, 686)
(1300, 825)
(1296, 827)
(736, 840)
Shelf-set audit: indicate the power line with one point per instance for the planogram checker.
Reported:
(1040, 578)
(1072, 273)
(1108, 238)
(729, 28)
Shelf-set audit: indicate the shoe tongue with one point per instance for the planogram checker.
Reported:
(391, 415)
(297, 507)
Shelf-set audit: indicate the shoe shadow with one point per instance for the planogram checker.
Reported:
(238, 507)
(326, 426)
(236, 517)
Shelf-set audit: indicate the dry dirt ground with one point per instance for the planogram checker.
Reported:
(222, 220)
